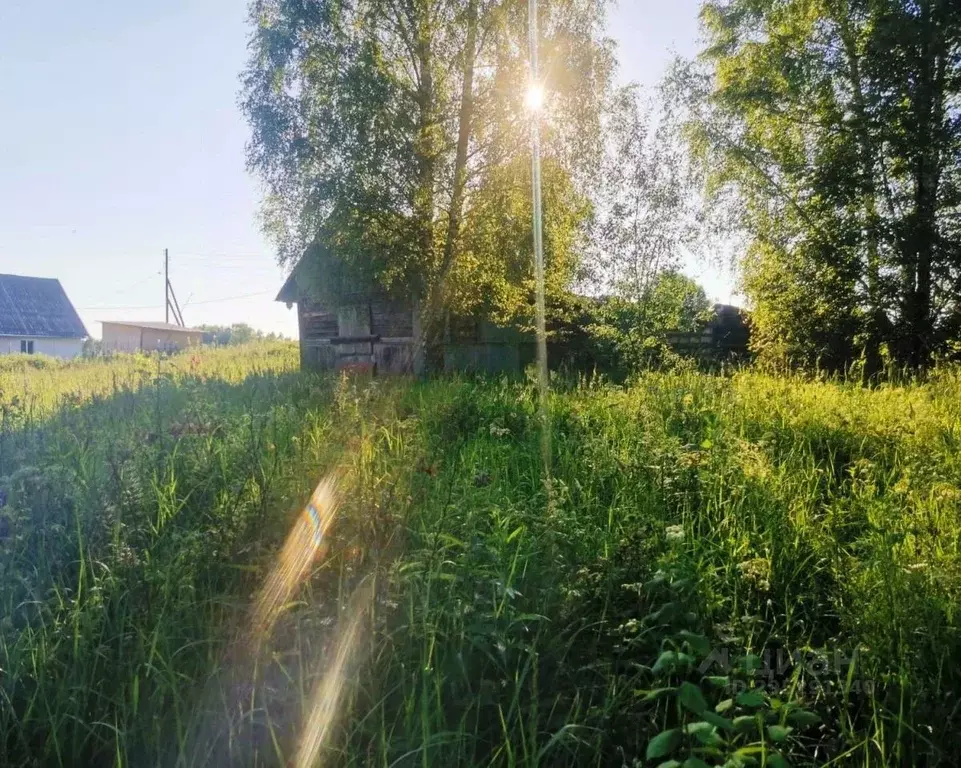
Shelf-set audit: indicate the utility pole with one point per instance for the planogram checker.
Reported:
(170, 298)
(166, 286)
(535, 95)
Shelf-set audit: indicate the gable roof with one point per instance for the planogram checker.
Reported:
(37, 306)
(321, 276)
(151, 326)
(289, 293)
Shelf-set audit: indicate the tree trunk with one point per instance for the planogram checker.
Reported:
(928, 109)
(924, 240)
(869, 186)
(426, 151)
(433, 325)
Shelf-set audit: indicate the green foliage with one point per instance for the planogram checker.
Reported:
(834, 123)
(238, 333)
(92, 347)
(630, 335)
(393, 136)
(695, 532)
(499, 222)
(648, 203)
(35, 385)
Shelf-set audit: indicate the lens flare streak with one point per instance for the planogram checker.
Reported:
(325, 702)
(303, 545)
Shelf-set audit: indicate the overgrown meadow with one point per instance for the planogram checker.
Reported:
(740, 570)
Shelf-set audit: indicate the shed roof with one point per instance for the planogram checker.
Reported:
(150, 326)
(288, 292)
(319, 273)
(37, 306)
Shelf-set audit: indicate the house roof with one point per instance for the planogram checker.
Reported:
(288, 293)
(37, 306)
(319, 268)
(152, 326)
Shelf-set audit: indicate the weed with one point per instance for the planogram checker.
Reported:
(741, 570)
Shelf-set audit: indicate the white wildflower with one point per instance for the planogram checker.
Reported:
(756, 571)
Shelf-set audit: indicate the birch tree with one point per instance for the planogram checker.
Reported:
(392, 135)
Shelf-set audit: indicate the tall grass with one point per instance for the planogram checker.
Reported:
(744, 570)
(37, 383)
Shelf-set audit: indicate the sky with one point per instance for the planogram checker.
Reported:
(120, 136)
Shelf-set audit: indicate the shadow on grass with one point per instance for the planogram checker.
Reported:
(125, 539)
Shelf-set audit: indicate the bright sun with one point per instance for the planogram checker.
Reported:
(534, 99)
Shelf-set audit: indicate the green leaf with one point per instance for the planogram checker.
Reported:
(778, 733)
(774, 760)
(691, 698)
(704, 732)
(752, 698)
(750, 662)
(669, 661)
(663, 744)
(724, 706)
(695, 762)
(717, 720)
(666, 662)
(659, 578)
(803, 719)
(699, 644)
(721, 681)
(665, 613)
(745, 723)
(656, 693)
(452, 540)
(670, 764)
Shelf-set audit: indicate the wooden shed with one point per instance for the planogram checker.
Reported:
(367, 330)
(725, 336)
(148, 337)
(363, 331)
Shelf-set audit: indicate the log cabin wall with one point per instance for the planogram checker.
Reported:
(318, 326)
(373, 334)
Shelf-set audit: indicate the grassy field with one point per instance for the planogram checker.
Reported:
(740, 570)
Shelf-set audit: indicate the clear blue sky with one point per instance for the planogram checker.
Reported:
(120, 136)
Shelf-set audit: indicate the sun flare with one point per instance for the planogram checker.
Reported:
(534, 98)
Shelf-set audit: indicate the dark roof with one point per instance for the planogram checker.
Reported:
(319, 273)
(151, 326)
(730, 309)
(289, 293)
(730, 315)
(37, 306)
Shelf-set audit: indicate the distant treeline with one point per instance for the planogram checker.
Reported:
(238, 333)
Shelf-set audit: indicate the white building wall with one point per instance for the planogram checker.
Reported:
(66, 349)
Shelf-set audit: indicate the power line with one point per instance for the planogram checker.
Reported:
(228, 298)
(237, 267)
(142, 306)
(151, 276)
(232, 257)
(188, 303)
